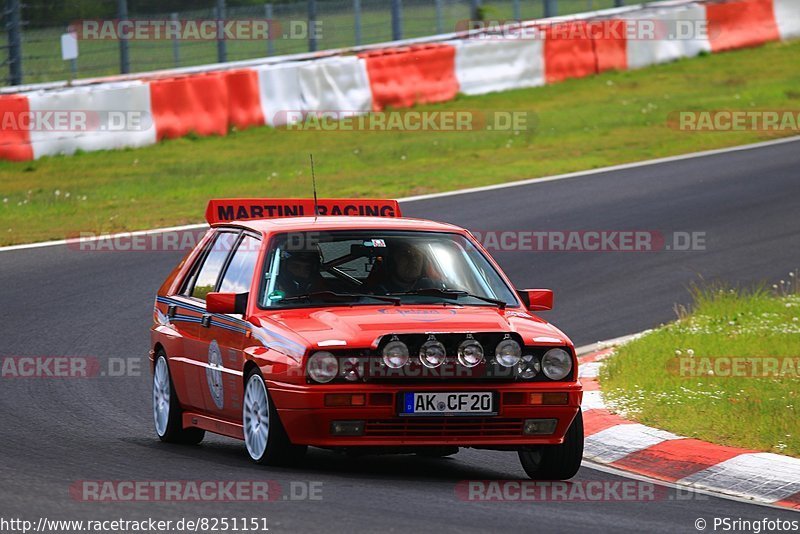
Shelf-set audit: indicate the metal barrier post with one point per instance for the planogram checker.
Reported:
(124, 54)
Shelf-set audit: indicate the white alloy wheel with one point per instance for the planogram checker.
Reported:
(161, 396)
(255, 417)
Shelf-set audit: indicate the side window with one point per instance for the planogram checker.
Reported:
(239, 273)
(209, 272)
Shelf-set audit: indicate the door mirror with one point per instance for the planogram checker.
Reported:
(226, 303)
(536, 299)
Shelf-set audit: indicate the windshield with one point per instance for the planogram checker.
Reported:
(373, 266)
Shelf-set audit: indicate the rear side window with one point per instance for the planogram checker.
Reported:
(209, 272)
(239, 273)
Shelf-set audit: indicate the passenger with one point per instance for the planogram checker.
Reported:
(405, 270)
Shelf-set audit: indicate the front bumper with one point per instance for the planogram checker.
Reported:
(308, 420)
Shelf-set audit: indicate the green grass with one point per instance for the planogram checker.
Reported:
(663, 378)
(582, 124)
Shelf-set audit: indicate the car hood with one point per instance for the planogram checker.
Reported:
(362, 326)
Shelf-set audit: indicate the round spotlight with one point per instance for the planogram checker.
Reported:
(528, 367)
(508, 352)
(351, 369)
(470, 352)
(322, 367)
(395, 354)
(556, 364)
(432, 353)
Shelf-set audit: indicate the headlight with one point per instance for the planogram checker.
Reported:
(351, 369)
(508, 352)
(432, 353)
(556, 364)
(322, 367)
(528, 367)
(395, 354)
(470, 352)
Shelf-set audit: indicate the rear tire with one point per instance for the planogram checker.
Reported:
(167, 413)
(265, 438)
(556, 462)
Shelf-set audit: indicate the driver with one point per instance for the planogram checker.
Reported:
(300, 273)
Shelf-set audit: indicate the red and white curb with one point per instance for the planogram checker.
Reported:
(628, 446)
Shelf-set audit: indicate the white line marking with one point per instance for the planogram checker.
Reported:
(602, 170)
(494, 187)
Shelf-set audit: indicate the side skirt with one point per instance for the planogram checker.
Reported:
(211, 424)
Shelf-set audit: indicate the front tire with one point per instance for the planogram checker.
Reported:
(556, 462)
(167, 413)
(265, 439)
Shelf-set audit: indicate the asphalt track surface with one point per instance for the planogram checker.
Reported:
(58, 301)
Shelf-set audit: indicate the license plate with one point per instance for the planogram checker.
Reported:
(452, 403)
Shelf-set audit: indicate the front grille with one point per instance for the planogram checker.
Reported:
(444, 427)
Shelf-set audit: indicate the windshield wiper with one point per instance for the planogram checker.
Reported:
(333, 296)
(451, 293)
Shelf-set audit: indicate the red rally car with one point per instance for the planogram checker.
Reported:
(340, 324)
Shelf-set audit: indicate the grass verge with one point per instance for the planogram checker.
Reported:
(725, 372)
(613, 118)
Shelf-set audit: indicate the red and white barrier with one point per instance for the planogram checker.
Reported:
(435, 69)
(403, 77)
(787, 14)
(96, 118)
(741, 23)
(497, 64)
(669, 44)
(574, 49)
(338, 84)
(279, 91)
(15, 140)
